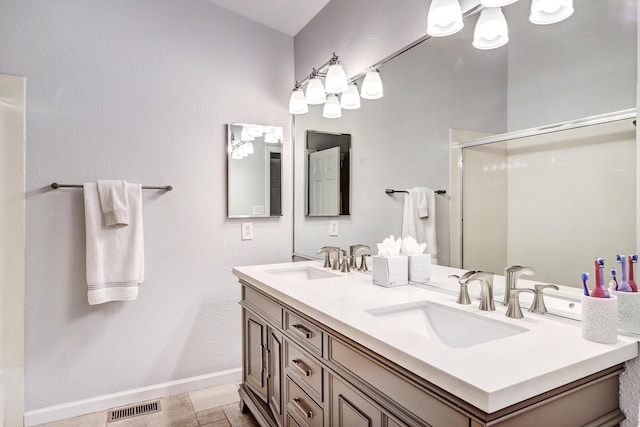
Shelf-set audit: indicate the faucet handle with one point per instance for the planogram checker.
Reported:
(538, 306)
(463, 294)
(513, 310)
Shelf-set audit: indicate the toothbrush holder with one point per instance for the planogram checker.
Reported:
(600, 319)
(628, 311)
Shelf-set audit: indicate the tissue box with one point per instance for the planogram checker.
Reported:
(390, 271)
(420, 268)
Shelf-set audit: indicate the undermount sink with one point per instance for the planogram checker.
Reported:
(303, 273)
(453, 327)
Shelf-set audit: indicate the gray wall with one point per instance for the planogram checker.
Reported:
(140, 90)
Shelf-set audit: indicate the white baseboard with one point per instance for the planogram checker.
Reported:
(128, 397)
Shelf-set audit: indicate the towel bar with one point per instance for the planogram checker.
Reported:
(390, 191)
(55, 185)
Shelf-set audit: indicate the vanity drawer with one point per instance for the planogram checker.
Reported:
(262, 305)
(301, 366)
(422, 403)
(302, 407)
(305, 332)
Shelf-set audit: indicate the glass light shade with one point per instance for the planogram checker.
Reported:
(270, 138)
(544, 12)
(372, 86)
(298, 103)
(236, 155)
(315, 92)
(332, 108)
(445, 18)
(248, 147)
(245, 134)
(350, 100)
(496, 3)
(491, 29)
(278, 132)
(336, 80)
(255, 132)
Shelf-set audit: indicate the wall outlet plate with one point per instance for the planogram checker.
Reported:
(333, 228)
(247, 231)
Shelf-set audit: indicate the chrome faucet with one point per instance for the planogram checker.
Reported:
(486, 289)
(353, 252)
(538, 306)
(513, 309)
(329, 251)
(511, 276)
(463, 294)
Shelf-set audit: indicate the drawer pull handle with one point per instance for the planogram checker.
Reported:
(304, 411)
(302, 331)
(302, 367)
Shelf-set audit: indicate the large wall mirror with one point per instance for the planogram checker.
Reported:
(544, 76)
(254, 170)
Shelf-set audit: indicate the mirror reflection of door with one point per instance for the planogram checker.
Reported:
(324, 182)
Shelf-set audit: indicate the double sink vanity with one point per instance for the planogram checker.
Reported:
(325, 348)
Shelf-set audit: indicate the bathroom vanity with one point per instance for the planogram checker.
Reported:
(324, 348)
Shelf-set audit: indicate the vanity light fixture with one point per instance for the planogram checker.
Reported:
(336, 83)
(372, 85)
(331, 109)
(491, 30)
(496, 3)
(445, 18)
(350, 100)
(246, 134)
(544, 12)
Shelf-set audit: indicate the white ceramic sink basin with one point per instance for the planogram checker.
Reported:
(302, 273)
(453, 327)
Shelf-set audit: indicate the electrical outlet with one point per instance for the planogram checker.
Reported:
(247, 231)
(258, 209)
(333, 228)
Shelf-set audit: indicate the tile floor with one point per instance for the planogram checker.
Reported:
(211, 407)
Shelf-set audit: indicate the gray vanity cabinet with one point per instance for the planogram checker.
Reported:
(255, 370)
(297, 372)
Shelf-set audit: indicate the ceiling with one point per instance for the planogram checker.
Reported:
(286, 16)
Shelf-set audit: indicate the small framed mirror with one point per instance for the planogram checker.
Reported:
(254, 171)
(328, 162)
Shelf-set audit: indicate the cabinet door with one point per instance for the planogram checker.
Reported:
(274, 379)
(350, 409)
(255, 368)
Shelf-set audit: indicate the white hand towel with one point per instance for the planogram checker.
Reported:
(114, 202)
(419, 219)
(115, 255)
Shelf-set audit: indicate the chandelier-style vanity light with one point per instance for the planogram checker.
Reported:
(491, 31)
(336, 93)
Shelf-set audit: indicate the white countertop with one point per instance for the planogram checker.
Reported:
(490, 376)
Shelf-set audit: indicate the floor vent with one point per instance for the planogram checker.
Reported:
(133, 411)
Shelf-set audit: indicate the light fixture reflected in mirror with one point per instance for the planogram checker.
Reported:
(445, 18)
(544, 12)
(372, 85)
(491, 30)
